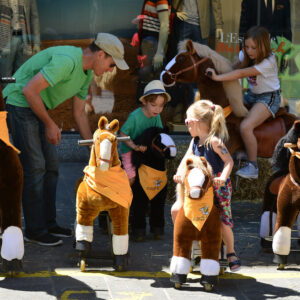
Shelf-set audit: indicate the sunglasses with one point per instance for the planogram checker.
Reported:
(112, 65)
(187, 121)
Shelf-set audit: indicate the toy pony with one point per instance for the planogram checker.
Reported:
(280, 160)
(288, 203)
(150, 186)
(11, 185)
(197, 220)
(105, 187)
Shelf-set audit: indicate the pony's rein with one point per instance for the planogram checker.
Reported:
(162, 151)
(193, 66)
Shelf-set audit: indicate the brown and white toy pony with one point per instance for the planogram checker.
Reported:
(105, 187)
(11, 185)
(288, 203)
(197, 220)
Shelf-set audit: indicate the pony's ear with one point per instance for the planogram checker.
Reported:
(113, 125)
(190, 47)
(102, 122)
(297, 126)
(204, 161)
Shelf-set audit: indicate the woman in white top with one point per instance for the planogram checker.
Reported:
(258, 64)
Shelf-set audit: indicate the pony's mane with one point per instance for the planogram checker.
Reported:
(105, 81)
(233, 89)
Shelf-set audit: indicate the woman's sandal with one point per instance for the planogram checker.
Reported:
(236, 262)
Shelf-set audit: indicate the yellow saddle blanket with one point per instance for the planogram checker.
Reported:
(198, 210)
(152, 180)
(4, 136)
(113, 184)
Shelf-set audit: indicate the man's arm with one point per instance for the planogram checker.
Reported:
(81, 118)
(32, 92)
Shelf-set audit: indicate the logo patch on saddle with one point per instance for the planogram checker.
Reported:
(152, 180)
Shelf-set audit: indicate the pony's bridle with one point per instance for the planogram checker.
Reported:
(193, 66)
(161, 151)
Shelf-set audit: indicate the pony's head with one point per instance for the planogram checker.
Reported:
(294, 149)
(104, 153)
(160, 146)
(198, 177)
(185, 66)
(190, 65)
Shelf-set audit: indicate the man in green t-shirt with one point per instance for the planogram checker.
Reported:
(43, 82)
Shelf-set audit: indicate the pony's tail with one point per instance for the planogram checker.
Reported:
(218, 125)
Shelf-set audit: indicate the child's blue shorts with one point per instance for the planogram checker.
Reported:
(270, 99)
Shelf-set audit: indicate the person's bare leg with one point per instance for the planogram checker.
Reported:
(228, 239)
(257, 115)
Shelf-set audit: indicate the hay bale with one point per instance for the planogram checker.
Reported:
(251, 190)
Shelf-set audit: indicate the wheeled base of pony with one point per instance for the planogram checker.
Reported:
(85, 252)
(208, 282)
(266, 241)
(196, 257)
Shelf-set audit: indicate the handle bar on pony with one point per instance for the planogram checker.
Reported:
(90, 142)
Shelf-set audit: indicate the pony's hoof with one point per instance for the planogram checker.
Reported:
(208, 282)
(12, 267)
(83, 247)
(178, 280)
(281, 260)
(120, 262)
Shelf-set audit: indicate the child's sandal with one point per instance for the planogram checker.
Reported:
(234, 263)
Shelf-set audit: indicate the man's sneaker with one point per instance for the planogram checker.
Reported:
(45, 240)
(60, 231)
(249, 171)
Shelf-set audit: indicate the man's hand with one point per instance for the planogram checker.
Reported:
(181, 15)
(36, 49)
(53, 134)
(158, 60)
(219, 32)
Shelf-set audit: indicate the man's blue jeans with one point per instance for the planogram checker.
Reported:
(40, 165)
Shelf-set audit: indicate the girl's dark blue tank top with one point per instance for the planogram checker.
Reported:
(210, 155)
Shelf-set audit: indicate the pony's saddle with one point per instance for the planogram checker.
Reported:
(268, 134)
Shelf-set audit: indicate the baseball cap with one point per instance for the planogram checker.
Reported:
(155, 87)
(112, 46)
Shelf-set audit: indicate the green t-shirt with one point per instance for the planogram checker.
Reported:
(62, 68)
(136, 124)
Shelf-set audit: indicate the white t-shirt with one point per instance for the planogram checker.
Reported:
(267, 80)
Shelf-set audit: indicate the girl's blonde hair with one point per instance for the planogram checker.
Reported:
(211, 114)
(261, 37)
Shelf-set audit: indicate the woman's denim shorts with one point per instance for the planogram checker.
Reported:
(270, 99)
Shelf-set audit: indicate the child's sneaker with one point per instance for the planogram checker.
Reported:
(249, 171)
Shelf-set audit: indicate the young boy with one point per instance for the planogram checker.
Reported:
(154, 99)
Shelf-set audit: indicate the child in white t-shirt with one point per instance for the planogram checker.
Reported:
(258, 64)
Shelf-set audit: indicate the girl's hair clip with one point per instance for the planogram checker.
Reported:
(213, 107)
